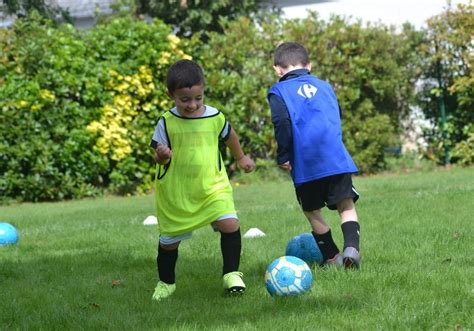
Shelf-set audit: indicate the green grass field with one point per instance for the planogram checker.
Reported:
(90, 264)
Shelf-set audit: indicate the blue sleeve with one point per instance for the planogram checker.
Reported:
(282, 125)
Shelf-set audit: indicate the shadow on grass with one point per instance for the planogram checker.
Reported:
(99, 288)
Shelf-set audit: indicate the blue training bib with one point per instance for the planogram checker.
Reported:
(318, 149)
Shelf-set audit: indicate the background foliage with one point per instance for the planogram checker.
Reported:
(448, 54)
(78, 108)
(372, 69)
(195, 16)
(24, 7)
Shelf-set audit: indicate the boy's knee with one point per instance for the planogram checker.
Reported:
(170, 247)
(314, 215)
(228, 225)
(346, 204)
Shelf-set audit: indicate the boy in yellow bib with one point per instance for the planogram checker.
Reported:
(192, 187)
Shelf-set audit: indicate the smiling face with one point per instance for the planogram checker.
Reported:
(189, 101)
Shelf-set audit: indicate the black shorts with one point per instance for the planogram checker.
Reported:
(327, 191)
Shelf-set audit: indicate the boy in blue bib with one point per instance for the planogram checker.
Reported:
(307, 121)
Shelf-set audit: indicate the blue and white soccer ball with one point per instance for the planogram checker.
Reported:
(288, 275)
(8, 234)
(304, 246)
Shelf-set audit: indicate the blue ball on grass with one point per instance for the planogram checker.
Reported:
(288, 276)
(304, 247)
(8, 234)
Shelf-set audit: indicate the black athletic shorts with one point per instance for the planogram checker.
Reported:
(327, 191)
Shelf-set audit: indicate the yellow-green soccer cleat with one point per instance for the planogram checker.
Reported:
(163, 290)
(233, 283)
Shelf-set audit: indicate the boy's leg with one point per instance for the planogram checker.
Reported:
(322, 235)
(231, 246)
(312, 197)
(350, 230)
(166, 264)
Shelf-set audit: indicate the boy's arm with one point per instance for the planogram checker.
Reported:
(244, 162)
(160, 144)
(163, 154)
(282, 125)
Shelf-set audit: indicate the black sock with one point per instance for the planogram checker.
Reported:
(231, 246)
(326, 244)
(166, 262)
(350, 230)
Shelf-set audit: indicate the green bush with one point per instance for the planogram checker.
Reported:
(370, 68)
(238, 70)
(49, 93)
(79, 108)
(463, 151)
(448, 77)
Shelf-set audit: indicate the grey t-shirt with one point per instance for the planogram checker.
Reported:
(159, 136)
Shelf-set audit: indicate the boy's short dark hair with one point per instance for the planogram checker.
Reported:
(184, 73)
(291, 53)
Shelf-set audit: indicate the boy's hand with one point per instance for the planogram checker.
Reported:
(246, 163)
(163, 154)
(285, 166)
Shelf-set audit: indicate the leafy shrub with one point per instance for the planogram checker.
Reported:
(448, 77)
(463, 151)
(49, 93)
(370, 68)
(79, 108)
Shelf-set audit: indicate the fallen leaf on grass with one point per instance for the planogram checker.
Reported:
(116, 282)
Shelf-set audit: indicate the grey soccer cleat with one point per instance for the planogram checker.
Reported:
(351, 258)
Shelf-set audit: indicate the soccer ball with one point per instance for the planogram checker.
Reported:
(304, 246)
(8, 234)
(288, 275)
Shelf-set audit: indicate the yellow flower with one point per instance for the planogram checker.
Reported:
(47, 95)
(146, 106)
(23, 104)
(94, 127)
(121, 152)
(143, 69)
(109, 111)
(102, 146)
(164, 103)
(174, 41)
(122, 87)
(123, 101)
(36, 107)
(164, 58)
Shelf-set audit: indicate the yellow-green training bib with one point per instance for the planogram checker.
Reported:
(193, 189)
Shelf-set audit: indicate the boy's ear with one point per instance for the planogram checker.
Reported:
(308, 66)
(278, 70)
